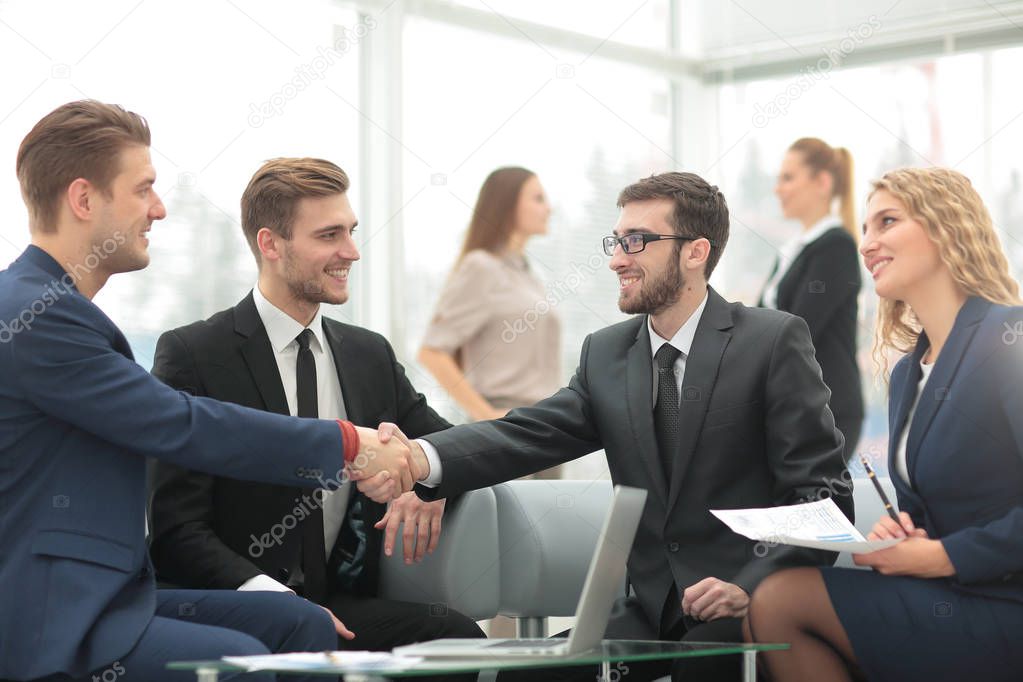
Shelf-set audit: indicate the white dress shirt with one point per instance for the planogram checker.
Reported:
(282, 330)
(682, 340)
(790, 250)
(901, 468)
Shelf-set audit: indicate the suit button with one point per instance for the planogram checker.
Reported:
(672, 547)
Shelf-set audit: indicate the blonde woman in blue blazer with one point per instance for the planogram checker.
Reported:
(947, 602)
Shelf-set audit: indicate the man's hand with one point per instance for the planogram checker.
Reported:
(420, 463)
(711, 599)
(384, 467)
(339, 627)
(421, 531)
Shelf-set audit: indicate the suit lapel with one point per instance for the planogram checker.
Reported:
(348, 374)
(702, 364)
(639, 389)
(259, 356)
(936, 391)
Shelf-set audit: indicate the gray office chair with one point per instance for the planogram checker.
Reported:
(464, 571)
(547, 530)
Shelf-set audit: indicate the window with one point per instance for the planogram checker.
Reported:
(254, 81)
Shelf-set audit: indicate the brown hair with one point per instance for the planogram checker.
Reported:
(270, 198)
(493, 217)
(80, 139)
(953, 215)
(821, 157)
(700, 208)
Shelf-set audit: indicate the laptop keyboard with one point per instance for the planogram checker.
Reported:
(527, 643)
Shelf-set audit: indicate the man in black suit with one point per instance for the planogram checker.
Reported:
(275, 351)
(704, 403)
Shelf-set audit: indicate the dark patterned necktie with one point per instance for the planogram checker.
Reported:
(314, 553)
(666, 409)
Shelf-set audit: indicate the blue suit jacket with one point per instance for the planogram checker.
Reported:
(965, 447)
(78, 417)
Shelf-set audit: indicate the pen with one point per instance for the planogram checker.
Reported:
(880, 491)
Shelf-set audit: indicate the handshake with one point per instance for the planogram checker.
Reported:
(388, 464)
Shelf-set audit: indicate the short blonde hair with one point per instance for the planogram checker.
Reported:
(953, 215)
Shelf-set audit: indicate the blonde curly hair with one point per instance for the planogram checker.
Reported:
(953, 215)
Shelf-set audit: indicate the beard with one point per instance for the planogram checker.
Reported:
(307, 286)
(656, 294)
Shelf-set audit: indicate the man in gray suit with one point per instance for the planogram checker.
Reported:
(704, 403)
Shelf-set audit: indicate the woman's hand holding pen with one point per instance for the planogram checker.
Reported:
(917, 556)
(886, 528)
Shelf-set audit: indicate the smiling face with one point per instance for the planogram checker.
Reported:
(650, 281)
(800, 192)
(314, 264)
(126, 214)
(901, 257)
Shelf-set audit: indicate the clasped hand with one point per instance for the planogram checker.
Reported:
(387, 464)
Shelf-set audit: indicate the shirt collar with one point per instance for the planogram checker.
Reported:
(683, 339)
(819, 228)
(281, 328)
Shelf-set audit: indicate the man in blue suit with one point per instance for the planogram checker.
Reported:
(78, 417)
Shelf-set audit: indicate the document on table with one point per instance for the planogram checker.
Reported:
(817, 525)
(324, 661)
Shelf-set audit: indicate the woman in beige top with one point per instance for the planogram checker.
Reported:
(495, 338)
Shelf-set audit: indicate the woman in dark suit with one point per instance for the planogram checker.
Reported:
(947, 602)
(817, 273)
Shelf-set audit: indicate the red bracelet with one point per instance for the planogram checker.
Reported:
(350, 439)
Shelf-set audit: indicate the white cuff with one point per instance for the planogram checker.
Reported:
(263, 583)
(432, 479)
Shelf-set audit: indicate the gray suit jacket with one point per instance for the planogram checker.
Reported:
(756, 431)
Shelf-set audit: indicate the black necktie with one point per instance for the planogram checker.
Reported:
(314, 555)
(666, 410)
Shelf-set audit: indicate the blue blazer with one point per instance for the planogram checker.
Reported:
(78, 417)
(965, 447)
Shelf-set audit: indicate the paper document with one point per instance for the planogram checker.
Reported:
(817, 525)
(325, 661)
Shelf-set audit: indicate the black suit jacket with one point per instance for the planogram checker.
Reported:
(755, 431)
(822, 286)
(205, 530)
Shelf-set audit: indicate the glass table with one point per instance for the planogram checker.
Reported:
(610, 652)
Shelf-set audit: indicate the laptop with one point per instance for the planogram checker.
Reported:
(603, 581)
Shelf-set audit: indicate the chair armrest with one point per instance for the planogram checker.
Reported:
(463, 573)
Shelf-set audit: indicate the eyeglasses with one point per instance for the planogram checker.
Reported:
(637, 241)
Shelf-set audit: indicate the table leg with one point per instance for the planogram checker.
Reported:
(749, 666)
(206, 674)
(605, 671)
